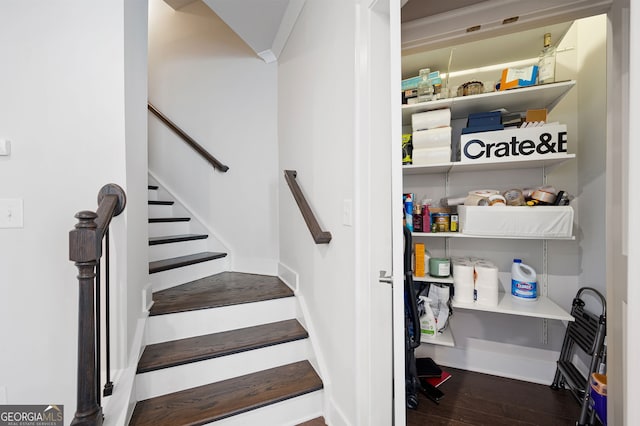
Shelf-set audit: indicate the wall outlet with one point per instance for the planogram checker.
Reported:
(11, 213)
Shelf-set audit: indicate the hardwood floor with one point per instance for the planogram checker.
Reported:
(480, 399)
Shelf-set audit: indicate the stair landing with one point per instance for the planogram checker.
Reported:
(224, 289)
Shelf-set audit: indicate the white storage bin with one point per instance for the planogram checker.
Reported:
(521, 221)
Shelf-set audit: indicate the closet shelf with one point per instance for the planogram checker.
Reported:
(493, 237)
(514, 100)
(442, 339)
(507, 304)
(431, 279)
(503, 164)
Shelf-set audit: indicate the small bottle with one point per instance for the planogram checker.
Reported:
(425, 88)
(417, 218)
(408, 211)
(426, 216)
(547, 62)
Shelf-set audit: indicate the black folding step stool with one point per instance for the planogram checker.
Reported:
(587, 332)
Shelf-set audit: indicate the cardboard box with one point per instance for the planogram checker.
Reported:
(518, 77)
(517, 222)
(525, 144)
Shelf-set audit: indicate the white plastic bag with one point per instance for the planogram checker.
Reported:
(438, 296)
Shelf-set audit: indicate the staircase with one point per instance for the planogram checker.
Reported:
(224, 347)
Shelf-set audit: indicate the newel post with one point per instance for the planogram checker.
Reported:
(84, 250)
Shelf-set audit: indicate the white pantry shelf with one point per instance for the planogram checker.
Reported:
(481, 165)
(513, 100)
(492, 237)
(445, 338)
(507, 304)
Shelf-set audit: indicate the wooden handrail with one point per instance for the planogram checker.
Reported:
(85, 249)
(188, 139)
(319, 236)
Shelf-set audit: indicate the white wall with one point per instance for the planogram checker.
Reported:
(316, 128)
(63, 108)
(213, 86)
(136, 213)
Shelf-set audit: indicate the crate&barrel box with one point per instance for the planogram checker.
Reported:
(512, 144)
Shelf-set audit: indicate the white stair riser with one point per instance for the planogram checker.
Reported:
(160, 210)
(285, 413)
(182, 248)
(152, 194)
(173, 277)
(181, 377)
(163, 328)
(163, 229)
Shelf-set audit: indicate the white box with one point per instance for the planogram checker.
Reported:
(514, 143)
(517, 221)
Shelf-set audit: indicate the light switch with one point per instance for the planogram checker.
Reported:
(11, 213)
(5, 147)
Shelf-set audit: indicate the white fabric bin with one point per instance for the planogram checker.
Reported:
(520, 221)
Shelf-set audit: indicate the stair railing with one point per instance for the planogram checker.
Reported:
(319, 236)
(85, 249)
(188, 139)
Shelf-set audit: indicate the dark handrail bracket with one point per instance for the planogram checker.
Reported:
(85, 249)
(188, 139)
(319, 236)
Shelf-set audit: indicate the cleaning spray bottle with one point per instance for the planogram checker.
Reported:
(428, 325)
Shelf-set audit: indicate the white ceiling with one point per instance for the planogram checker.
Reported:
(265, 26)
(498, 50)
(416, 9)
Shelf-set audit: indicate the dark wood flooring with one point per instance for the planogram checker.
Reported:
(480, 399)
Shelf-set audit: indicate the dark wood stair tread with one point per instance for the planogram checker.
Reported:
(230, 397)
(152, 187)
(199, 348)
(176, 238)
(318, 421)
(160, 203)
(223, 289)
(168, 219)
(178, 262)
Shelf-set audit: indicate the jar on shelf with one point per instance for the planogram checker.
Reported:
(425, 88)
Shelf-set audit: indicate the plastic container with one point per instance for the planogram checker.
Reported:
(524, 285)
(599, 396)
(439, 267)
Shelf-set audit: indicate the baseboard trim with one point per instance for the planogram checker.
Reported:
(499, 359)
(288, 276)
(118, 408)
